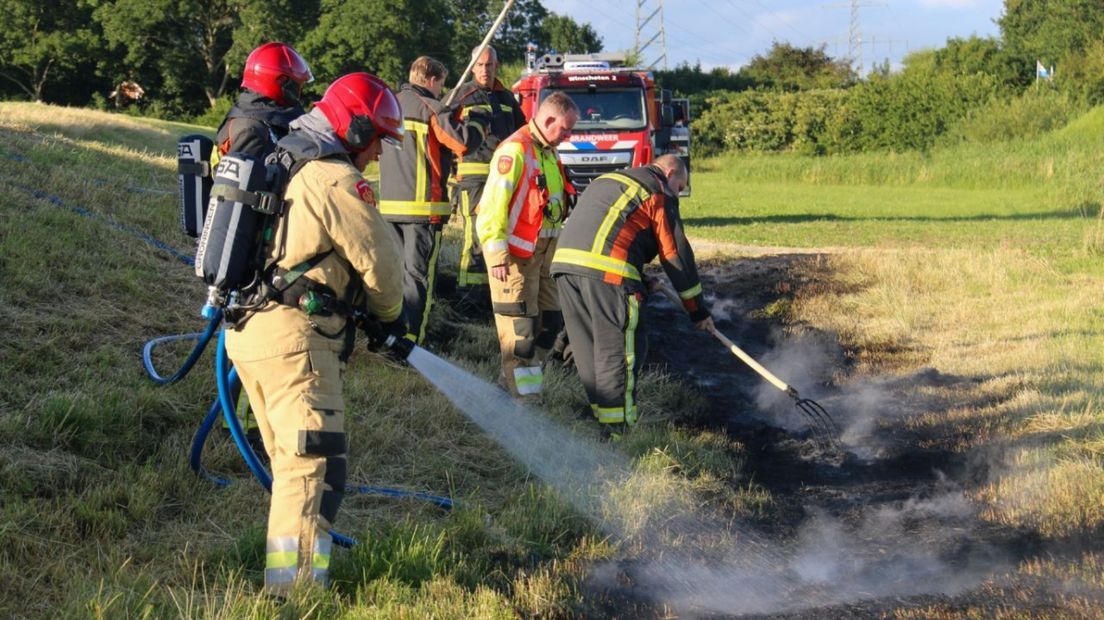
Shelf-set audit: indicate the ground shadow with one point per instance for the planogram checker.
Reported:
(803, 218)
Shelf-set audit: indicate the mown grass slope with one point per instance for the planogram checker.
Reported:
(99, 513)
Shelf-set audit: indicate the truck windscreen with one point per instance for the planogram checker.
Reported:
(608, 109)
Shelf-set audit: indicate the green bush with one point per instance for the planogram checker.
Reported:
(907, 111)
(214, 115)
(1032, 114)
(1081, 75)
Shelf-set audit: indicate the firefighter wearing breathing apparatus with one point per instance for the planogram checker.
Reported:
(520, 216)
(272, 83)
(622, 221)
(290, 349)
(414, 188)
(491, 114)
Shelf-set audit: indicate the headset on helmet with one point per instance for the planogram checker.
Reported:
(276, 71)
(361, 108)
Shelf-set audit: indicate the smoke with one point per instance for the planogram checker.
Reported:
(699, 563)
(917, 546)
(861, 408)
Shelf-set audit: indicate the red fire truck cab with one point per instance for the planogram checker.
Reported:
(623, 121)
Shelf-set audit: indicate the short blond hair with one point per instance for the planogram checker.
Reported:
(558, 104)
(425, 68)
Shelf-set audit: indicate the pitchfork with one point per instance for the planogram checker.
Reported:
(824, 428)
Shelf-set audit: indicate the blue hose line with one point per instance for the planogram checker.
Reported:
(202, 337)
(441, 502)
(229, 413)
(130, 230)
(201, 437)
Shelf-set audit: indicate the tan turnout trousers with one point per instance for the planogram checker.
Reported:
(519, 302)
(301, 416)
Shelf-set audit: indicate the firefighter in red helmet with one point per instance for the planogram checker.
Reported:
(272, 84)
(291, 357)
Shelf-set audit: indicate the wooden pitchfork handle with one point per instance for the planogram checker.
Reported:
(737, 351)
(482, 46)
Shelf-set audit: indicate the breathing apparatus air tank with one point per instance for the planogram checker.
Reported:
(193, 168)
(228, 253)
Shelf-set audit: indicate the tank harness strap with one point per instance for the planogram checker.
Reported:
(264, 202)
(198, 168)
(291, 287)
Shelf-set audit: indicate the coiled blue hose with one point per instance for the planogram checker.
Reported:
(225, 380)
(202, 337)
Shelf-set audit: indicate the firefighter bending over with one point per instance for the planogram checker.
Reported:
(414, 186)
(520, 216)
(622, 221)
(290, 355)
(491, 114)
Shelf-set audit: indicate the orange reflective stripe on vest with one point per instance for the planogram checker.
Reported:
(527, 202)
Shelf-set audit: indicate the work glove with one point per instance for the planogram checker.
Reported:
(388, 338)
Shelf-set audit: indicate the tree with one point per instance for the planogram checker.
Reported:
(1049, 30)
(472, 19)
(287, 21)
(978, 55)
(188, 47)
(786, 67)
(563, 34)
(522, 25)
(378, 36)
(43, 42)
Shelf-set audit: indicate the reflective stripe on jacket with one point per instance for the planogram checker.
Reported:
(491, 115)
(622, 221)
(413, 180)
(523, 199)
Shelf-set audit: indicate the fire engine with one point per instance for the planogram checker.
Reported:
(623, 120)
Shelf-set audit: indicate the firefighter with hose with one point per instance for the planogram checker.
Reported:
(414, 186)
(491, 114)
(622, 221)
(521, 213)
(290, 349)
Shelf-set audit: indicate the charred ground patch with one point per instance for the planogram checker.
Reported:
(891, 526)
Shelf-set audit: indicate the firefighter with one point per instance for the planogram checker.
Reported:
(272, 84)
(520, 215)
(290, 355)
(622, 221)
(491, 114)
(414, 186)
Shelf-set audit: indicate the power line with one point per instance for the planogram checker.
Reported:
(802, 36)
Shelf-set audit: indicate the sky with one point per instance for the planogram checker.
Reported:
(730, 32)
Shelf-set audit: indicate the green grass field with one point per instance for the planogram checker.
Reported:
(1043, 196)
(979, 261)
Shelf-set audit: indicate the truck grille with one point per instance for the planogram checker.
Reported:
(582, 174)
